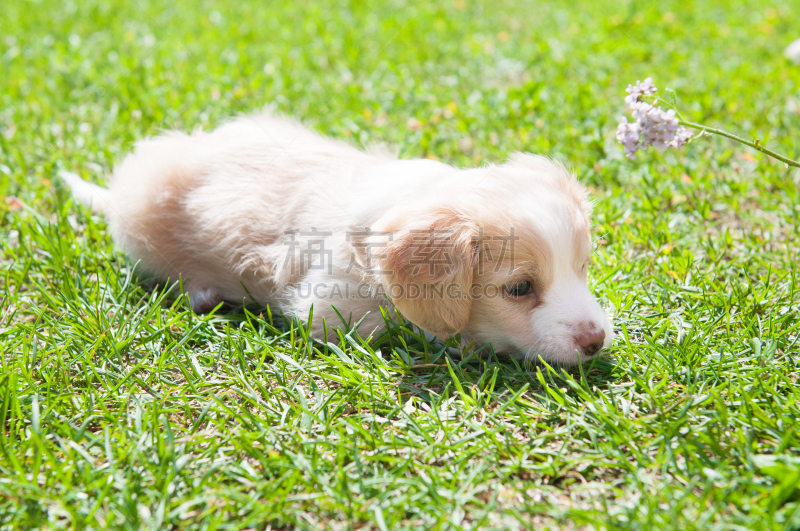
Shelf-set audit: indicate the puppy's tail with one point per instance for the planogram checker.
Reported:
(94, 196)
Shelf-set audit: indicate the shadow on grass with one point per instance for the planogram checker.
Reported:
(420, 366)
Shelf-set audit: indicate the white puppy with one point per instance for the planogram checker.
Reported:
(263, 210)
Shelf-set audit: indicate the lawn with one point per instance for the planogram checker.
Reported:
(120, 408)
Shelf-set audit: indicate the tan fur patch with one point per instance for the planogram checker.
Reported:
(427, 268)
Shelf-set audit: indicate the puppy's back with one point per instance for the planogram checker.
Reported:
(213, 206)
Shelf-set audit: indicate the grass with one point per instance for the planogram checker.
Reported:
(119, 408)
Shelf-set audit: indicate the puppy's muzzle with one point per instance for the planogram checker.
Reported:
(591, 338)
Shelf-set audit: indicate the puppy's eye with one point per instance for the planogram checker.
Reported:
(518, 290)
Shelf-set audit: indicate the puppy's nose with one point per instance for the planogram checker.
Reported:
(591, 340)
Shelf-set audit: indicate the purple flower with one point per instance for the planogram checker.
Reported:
(653, 126)
(628, 135)
(682, 135)
(645, 87)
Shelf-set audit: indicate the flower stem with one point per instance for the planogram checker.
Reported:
(754, 145)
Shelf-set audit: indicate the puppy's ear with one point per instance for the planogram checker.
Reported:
(427, 266)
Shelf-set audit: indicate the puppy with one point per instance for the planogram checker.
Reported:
(263, 210)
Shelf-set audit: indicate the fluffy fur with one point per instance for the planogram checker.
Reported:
(264, 210)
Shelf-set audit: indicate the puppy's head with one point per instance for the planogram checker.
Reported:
(505, 264)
